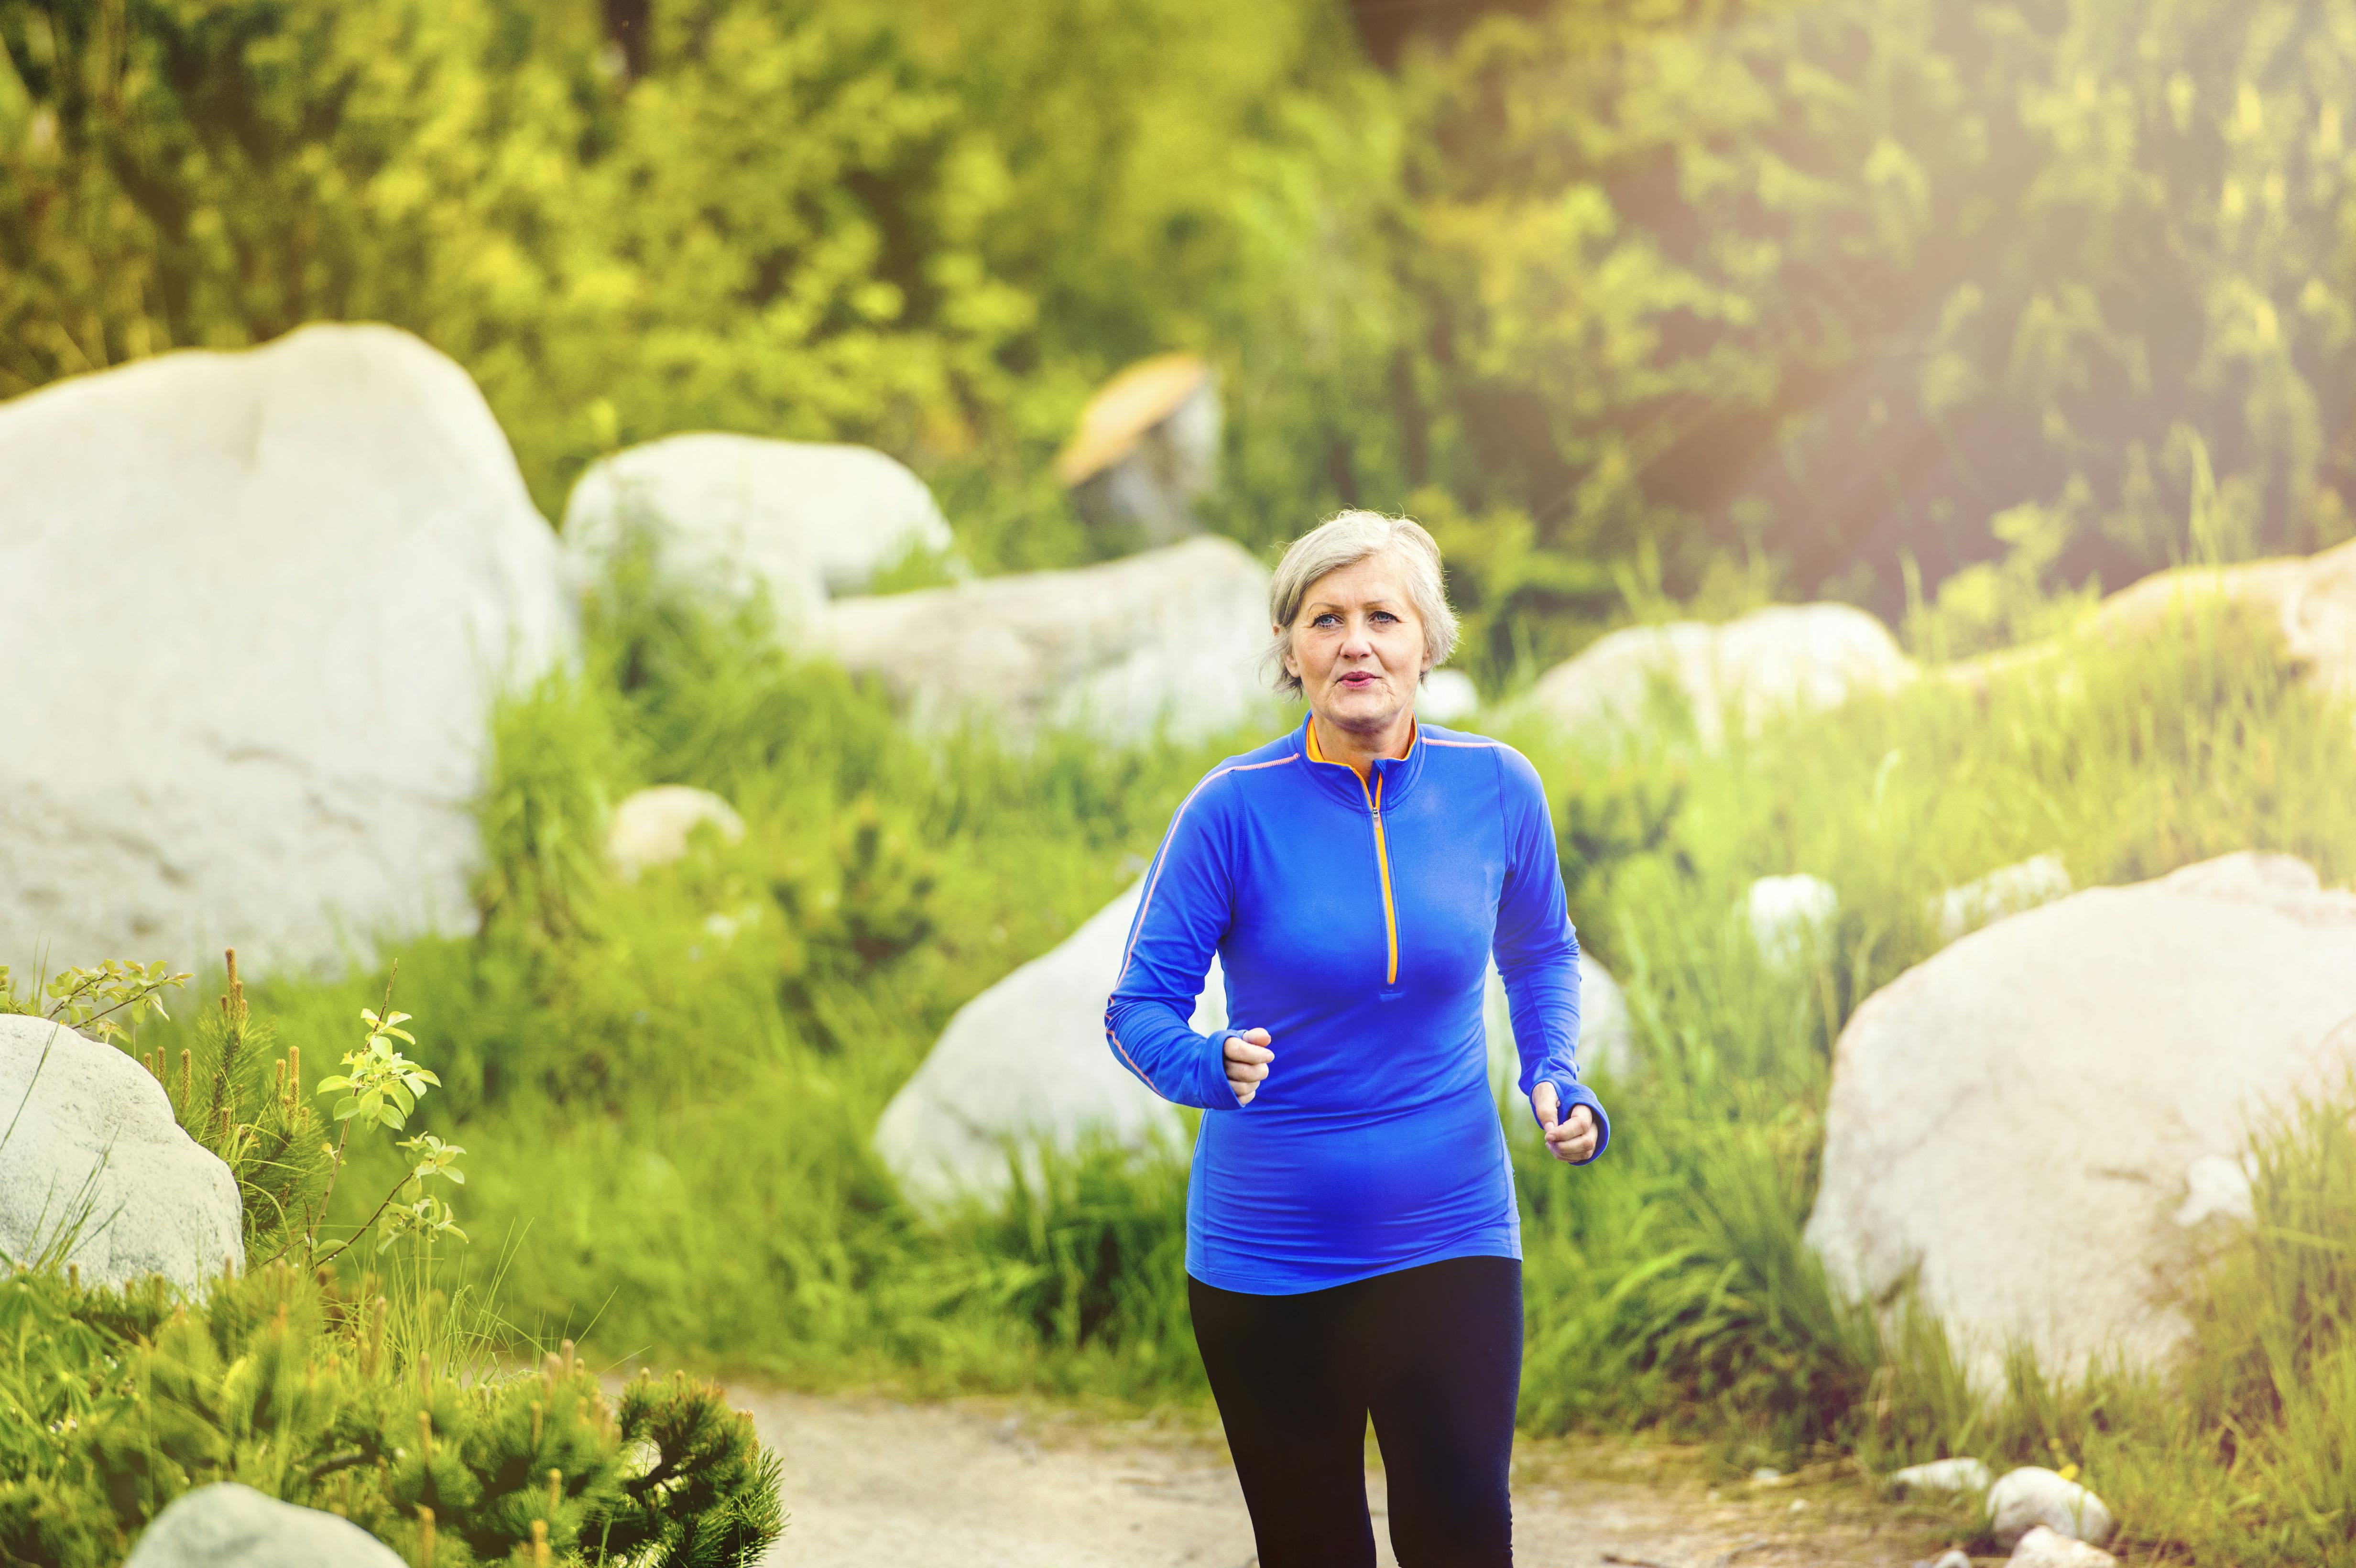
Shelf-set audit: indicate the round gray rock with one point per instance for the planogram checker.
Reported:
(1170, 636)
(651, 826)
(286, 584)
(2043, 1548)
(1782, 657)
(1026, 1062)
(2034, 1497)
(96, 1165)
(229, 1526)
(1943, 1475)
(2023, 1116)
(806, 520)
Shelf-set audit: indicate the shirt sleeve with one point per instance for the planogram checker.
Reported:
(1189, 894)
(1537, 950)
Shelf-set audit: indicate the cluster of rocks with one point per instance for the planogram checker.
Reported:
(2041, 1517)
(266, 599)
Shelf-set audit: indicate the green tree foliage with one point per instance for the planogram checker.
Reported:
(1642, 301)
(774, 230)
(1858, 280)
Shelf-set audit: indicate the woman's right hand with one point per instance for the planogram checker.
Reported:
(1248, 1058)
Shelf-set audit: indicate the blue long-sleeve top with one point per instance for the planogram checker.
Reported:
(1355, 918)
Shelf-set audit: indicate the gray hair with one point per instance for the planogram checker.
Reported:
(1344, 540)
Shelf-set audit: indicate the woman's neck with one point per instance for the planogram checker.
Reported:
(1356, 749)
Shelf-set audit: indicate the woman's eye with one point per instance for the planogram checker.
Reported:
(1383, 615)
(1327, 619)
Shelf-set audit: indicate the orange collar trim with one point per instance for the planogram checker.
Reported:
(1317, 753)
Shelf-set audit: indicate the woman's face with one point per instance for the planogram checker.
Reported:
(1357, 645)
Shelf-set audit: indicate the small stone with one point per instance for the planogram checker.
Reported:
(1789, 915)
(652, 826)
(1944, 1475)
(1766, 1476)
(229, 1526)
(2032, 1496)
(1951, 1558)
(2043, 1548)
(1447, 695)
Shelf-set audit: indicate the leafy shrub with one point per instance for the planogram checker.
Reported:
(119, 1403)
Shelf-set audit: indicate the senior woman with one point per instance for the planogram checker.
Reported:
(1352, 1244)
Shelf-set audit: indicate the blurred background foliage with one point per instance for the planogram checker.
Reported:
(1642, 302)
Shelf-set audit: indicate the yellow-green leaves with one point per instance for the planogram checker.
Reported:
(381, 1085)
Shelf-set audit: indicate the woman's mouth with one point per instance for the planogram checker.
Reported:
(1358, 679)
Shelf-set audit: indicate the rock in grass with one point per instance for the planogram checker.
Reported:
(2008, 890)
(1790, 915)
(1172, 636)
(1446, 697)
(2043, 1548)
(1784, 656)
(2312, 599)
(1951, 1558)
(2033, 1497)
(1027, 1061)
(97, 1174)
(229, 1526)
(652, 826)
(258, 606)
(803, 520)
(2022, 1107)
(1944, 1475)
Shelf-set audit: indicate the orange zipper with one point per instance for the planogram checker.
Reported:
(1382, 848)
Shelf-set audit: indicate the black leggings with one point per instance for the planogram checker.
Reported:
(1434, 1354)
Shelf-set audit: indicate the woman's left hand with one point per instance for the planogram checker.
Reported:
(1570, 1139)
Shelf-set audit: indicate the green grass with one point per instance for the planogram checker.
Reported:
(667, 1116)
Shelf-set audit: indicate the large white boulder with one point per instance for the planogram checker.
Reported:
(96, 1169)
(2024, 1115)
(805, 520)
(1171, 636)
(259, 604)
(1785, 656)
(227, 1525)
(1027, 1061)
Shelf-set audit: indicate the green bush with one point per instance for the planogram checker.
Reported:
(120, 1402)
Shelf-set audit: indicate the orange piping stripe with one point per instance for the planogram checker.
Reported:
(1382, 860)
(1137, 929)
(1133, 1067)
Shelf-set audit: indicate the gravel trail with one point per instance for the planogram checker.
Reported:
(873, 1483)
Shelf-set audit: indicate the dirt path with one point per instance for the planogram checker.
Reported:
(875, 1484)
